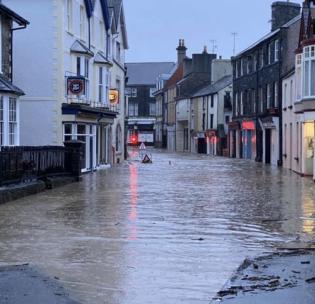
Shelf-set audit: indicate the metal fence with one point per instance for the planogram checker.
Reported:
(22, 164)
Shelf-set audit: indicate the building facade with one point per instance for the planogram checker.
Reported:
(142, 107)
(9, 92)
(68, 98)
(304, 106)
(256, 130)
(211, 112)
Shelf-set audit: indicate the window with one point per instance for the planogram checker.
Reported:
(68, 132)
(212, 101)
(269, 53)
(277, 50)
(102, 35)
(118, 88)
(242, 103)
(308, 71)
(276, 96)
(118, 51)
(236, 113)
(133, 109)
(285, 95)
(227, 119)
(78, 66)
(100, 84)
(268, 96)
(82, 22)
(152, 90)
(261, 100)
(1, 122)
(254, 101)
(298, 73)
(69, 15)
(86, 68)
(134, 92)
(152, 109)
(118, 138)
(92, 27)
(12, 122)
(261, 58)
(211, 121)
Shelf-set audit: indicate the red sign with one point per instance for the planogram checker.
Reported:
(75, 86)
(248, 125)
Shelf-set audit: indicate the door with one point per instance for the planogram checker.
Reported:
(202, 146)
(267, 146)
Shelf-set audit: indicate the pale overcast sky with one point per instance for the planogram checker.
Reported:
(154, 26)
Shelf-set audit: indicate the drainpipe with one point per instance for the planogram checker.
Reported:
(280, 100)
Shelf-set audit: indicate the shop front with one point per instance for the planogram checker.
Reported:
(249, 140)
(212, 142)
(308, 167)
(234, 139)
(91, 126)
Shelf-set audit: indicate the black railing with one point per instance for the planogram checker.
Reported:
(22, 164)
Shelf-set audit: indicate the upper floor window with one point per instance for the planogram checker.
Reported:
(298, 75)
(308, 67)
(102, 35)
(268, 96)
(261, 58)
(69, 15)
(0, 45)
(152, 90)
(152, 109)
(134, 92)
(100, 85)
(276, 96)
(277, 50)
(1, 122)
(118, 51)
(82, 22)
(269, 53)
(133, 109)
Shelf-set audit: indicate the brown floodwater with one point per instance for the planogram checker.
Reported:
(168, 232)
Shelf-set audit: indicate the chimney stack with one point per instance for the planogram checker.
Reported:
(181, 51)
(283, 12)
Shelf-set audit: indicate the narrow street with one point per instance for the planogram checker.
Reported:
(168, 232)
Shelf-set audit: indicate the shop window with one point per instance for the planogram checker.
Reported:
(12, 122)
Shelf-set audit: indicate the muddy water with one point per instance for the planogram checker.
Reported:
(169, 232)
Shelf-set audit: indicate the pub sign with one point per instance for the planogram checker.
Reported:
(76, 85)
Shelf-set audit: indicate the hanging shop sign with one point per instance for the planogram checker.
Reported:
(76, 86)
(113, 97)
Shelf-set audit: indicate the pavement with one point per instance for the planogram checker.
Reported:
(22, 284)
(281, 278)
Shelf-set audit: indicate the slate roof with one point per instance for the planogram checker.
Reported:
(116, 6)
(79, 47)
(7, 87)
(269, 35)
(215, 87)
(146, 73)
(17, 18)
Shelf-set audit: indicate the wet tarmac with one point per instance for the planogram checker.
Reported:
(168, 232)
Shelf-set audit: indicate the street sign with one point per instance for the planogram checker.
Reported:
(142, 146)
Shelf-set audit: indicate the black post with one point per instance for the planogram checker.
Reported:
(73, 157)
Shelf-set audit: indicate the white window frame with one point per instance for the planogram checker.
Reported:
(268, 96)
(69, 15)
(10, 118)
(134, 92)
(307, 63)
(83, 18)
(277, 50)
(100, 91)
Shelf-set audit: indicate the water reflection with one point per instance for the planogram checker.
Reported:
(169, 232)
(133, 170)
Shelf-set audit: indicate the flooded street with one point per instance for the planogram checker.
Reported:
(169, 232)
